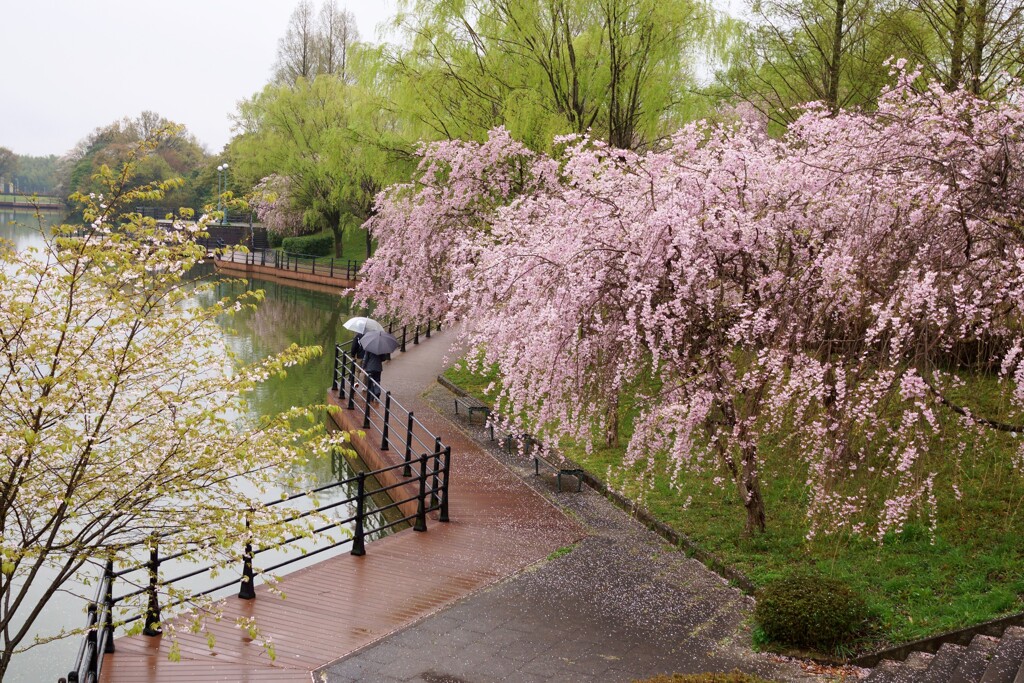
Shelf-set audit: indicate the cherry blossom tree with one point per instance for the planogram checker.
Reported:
(272, 202)
(825, 291)
(118, 409)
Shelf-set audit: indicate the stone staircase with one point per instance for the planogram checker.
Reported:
(259, 239)
(985, 660)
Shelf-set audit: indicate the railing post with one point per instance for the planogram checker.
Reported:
(416, 335)
(358, 538)
(334, 373)
(93, 655)
(421, 499)
(444, 487)
(434, 482)
(153, 609)
(366, 408)
(247, 587)
(428, 328)
(351, 382)
(407, 470)
(387, 417)
(108, 599)
(332, 266)
(263, 257)
(404, 330)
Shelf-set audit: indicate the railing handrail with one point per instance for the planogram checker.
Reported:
(280, 259)
(434, 461)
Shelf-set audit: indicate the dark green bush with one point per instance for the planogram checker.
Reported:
(734, 677)
(810, 611)
(274, 239)
(321, 244)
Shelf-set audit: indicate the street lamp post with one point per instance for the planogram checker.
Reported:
(222, 186)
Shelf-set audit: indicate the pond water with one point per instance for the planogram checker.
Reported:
(288, 314)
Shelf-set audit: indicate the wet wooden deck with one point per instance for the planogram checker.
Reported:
(498, 526)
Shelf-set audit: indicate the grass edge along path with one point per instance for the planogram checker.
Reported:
(969, 572)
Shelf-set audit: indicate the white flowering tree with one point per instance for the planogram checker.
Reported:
(118, 411)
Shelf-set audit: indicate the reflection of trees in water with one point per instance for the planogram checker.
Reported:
(288, 315)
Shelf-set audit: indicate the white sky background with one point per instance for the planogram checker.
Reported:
(70, 66)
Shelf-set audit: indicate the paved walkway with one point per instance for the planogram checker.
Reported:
(498, 527)
(620, 605)
(524, 584)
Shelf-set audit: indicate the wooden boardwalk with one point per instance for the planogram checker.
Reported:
(498, 526)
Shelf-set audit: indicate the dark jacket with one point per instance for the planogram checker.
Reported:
(372, 362)
(357, 350)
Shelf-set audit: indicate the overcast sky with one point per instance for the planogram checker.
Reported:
(70, 66)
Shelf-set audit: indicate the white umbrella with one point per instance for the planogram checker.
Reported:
(360, 325)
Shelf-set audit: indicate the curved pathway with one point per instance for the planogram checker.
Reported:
(601, 598)
(498, 526)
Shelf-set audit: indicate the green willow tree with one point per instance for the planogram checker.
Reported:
(620, 70)
(333, 140)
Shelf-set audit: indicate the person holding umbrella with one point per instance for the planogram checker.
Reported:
(361, 325)
(377, 346)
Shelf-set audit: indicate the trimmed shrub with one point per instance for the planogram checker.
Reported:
(274, 239)
(321, 244)
(810, 611)
(734, 677)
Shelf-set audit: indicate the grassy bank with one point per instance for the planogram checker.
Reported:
(969, 571)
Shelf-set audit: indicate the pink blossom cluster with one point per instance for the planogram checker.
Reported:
(823, 288)
(272, 202)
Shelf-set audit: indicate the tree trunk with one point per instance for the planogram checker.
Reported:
(835, 62)
(956, 46)
(978, 54)
(750, 489)
(611, 423)
(338, 228)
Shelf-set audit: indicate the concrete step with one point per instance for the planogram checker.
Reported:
(913, 667)
(972, 666)
(944, 663)
(884, 672)
(1005, 663)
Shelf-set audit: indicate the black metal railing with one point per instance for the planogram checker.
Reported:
(160, 213)
(297, 263)
(425, 465)
(387, 422)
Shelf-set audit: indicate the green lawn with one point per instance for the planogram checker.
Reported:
(353, 246)
(970, 571)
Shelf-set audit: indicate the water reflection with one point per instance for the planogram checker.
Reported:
(287, 315)
(25, 228)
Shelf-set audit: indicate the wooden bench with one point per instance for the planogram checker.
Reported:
(531, 450)
(474, 405)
